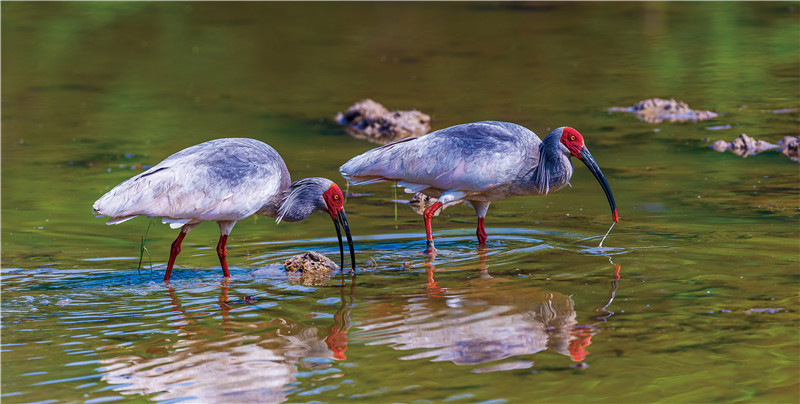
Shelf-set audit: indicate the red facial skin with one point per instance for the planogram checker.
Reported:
(573, 141)
(335, 200)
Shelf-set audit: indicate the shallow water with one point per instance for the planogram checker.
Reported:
(691, 298)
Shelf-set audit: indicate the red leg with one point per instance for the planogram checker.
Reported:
(173, 253)
(222, 252)
(481, 232)
(428, 215)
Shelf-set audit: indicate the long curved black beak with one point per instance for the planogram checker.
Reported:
(342, 218)
(587, 159)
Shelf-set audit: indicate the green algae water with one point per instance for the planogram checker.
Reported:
(693, 297)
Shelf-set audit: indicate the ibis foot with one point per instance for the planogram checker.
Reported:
(430, 249)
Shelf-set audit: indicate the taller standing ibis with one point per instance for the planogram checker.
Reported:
(223, 180)
(479, 163)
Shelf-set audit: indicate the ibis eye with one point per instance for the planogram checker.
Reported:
(572, 138)
(336, 197)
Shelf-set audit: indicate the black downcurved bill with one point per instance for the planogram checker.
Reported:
(343, 220)
(587, 159)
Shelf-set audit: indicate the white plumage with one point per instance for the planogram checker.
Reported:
(476, 162)
(222, 180)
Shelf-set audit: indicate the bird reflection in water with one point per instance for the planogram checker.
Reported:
(485, 320)
(249, 362)
(582, 334)
(337, 334)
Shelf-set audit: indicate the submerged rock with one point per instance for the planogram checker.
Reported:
(655, 110)
(790, 146)
(720, 145)
(311, 268)
(419, 202)
(747, 146)
(371, 121)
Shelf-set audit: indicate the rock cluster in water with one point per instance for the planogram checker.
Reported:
(419, 202)
(311, 268)
(743, 145)
(656, 110)
(747, 146)
(790, 146)
(371, 121)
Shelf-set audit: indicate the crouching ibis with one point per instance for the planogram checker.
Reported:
(223, 180)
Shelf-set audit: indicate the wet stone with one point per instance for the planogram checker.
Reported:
(311, 268)
(790, 146)
(720, 145)
(372, 121)
(747, 146)
(656, 110)
(419, 202)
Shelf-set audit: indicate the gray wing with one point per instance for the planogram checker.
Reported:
(223, 179)
(471, 157)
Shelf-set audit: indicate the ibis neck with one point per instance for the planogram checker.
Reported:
(554, 168)
(298, 212)
(302, 200)
(273, 206)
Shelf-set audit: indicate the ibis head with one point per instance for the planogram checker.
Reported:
(573, 141)
(311, 194)
(334, 202)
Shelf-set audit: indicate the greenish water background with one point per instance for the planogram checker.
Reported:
(706, 307)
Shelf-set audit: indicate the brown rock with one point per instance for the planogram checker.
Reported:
(656, 110)
(371, 121)
(741, 144)
(311, 268)
(747, 146)
(419, 202)
(790, 146)
(720, 145)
